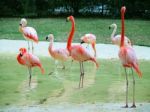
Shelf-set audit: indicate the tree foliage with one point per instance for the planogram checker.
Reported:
(45, 8)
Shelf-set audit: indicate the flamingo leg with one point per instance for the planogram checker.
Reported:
(28, 46)
(133, 105)
(32, 48)
(30, 75)
(82, 74)
(126, 106)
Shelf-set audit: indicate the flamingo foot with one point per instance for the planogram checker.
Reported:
(133, 106)
(126, 106)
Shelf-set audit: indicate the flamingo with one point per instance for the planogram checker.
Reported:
(61, 54)
(29, 33)
(128, 59)
(29, 60)
(89, 39)
(116, 38)
(78, 52)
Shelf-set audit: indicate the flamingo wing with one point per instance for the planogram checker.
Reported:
(129, 59)
(30, 33)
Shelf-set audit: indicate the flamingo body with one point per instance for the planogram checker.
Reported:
(116, 39)
(128, 59)
(81, 54)
(29, 60)
(30, 33)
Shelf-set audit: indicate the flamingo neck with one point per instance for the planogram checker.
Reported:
(70, 38)
(51, 46)
(113, 33)
(20, 29)
(20, 60)
(122, 30)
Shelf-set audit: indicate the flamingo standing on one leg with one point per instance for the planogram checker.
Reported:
(117, 38)
(78, 52)
(128, 58)
(29, 60)
(89, 39)
(29, 33)
(58, 54)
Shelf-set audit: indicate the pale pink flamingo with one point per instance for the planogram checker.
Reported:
(89, 39)
(29, 33)
(128, 59)
(77, 52)
(60, 54)
(29, 60)
(116, 39)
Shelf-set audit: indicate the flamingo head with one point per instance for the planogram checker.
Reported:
(113, 26)
(22, 51)
(23, 22)
(70, 18)
(123, 9)
(50, 36)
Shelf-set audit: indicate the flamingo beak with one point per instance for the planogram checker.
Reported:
(67, 19)
(82, 42)
(20, 24)
(47, 38)
(20, 53)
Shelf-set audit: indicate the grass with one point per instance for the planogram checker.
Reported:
(103, 85)
(137, 30)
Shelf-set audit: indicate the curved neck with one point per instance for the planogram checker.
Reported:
(20, 29)
(113, 33)
(20, 60)
(122, 30)
(70, 38)
(51, 46)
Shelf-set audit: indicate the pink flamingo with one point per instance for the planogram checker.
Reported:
(60, 54)
(77, 52)
(128, 58)
(29, 60)
(29, 33)
(117, 38)
(89, 39)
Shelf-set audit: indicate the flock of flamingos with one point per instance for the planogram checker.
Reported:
(79, 53)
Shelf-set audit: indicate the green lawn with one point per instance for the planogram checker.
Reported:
(103, 85)
(137, 30)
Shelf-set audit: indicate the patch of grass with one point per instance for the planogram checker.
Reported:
(108, 83)
(137, 30)
(12, 76)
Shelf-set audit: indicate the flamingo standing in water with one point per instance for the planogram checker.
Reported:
(128, 59)
(77, 52)
(29, 33)
(117, 38)
(29, 60)
(89, 39)
(60, 54)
